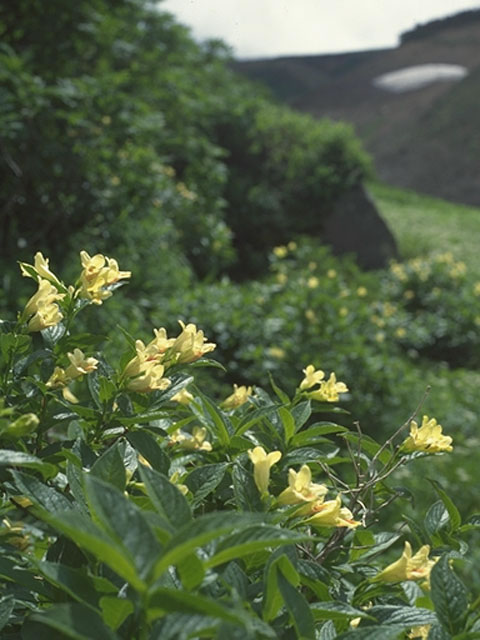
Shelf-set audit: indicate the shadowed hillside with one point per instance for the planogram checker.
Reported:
(424, 139)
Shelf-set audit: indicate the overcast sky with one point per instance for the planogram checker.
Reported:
(265, 28)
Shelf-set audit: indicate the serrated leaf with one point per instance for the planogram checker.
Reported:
(406, 616)
(380, 632)
(453, 512)
(437, 518)
(124, 522)
(149, 448)
(166, 497)
(73, 620)
(6, 607)
(297, 607)
(449, 596)
(9, 458)
(205, 479)
(110, 468)
(251, 540)
(115, 610)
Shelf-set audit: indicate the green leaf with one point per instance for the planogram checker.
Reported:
(73, 620)
(336, 611)
(328, 631)
(297, 607)
(449, 596)
(453, 512)
(205, 479)
(301, 413)
(437, 632)
(437, 518)
(6, 607)
(369, 445)
(177, 626)
(191, 571)
(278, 392)
(406, 616)
(288, 422)
(76, 582)
(197, 533)
(382, 632)
(110, 468)
(253, 417)
(52, 335)
(272, 599)
(149, 448)
(41, 494)
(164, 600)
(115, 610)
(245, 489)
(9, 458)
(214, 419)
(251, 540)
(124, 522)
(166, 497)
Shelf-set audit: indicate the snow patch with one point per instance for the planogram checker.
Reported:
(418, 76)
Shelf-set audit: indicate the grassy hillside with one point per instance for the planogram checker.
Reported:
(422, 224)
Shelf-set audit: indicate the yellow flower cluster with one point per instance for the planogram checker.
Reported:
(42, 310)
(145, 371)
(408, 567)
(239, 396)
(328, 391)
(194, 442)
(98, 274)
(427, 438)
(80, 365)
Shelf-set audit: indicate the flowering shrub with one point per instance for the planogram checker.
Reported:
(134, 506)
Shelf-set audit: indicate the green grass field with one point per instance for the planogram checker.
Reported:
(422, 224)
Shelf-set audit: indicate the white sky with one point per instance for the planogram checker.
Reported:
(265, 28)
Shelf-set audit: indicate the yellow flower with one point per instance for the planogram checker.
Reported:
(280, 251)
(262, 463)
(343, 312)
(79, 364)
(282, 278)
(313, 282)
(310, 315)
(41, 267)
(191, 344)
(408, 294)
(331, 273)
(238, 397)
(182, 397)
(196, 441)
(420, 632)
(312, 377)
(398, 271)
(362, 292)
(476, 289)
(427, 438)
(301, 489)
(276, 352)
(329, 390)
(174, 479)
(99, 272)
(149, 379)
(47, 315)
(380, 336)
(400, 332)
(408, 567)
(291, 246)
(331, 514)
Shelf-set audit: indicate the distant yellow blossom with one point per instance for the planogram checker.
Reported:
(331, 273)
(239, 396)
(281, 278)
(292, 246)
(280, 251)
(312, 377)
(476, 288)
(276, 352)
(310, 315)
(400, 332)
(262, 463)
(428, 437)
(408, 294)
(313, 282)
(380, 336)
(331, 514)
(362, 292)
(343, 312)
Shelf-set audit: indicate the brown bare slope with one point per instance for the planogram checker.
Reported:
(427, 139)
